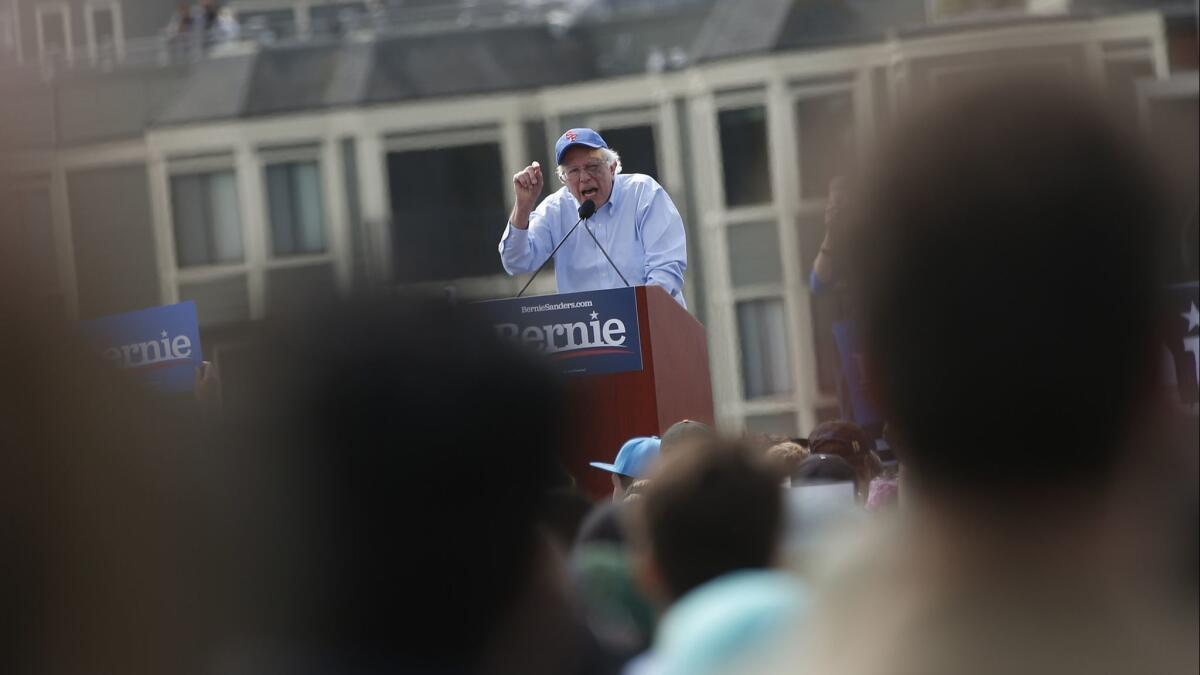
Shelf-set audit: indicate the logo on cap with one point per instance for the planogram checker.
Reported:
(571, 136)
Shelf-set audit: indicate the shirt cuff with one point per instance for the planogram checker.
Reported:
(516, 234)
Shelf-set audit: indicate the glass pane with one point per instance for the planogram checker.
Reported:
(306, 193)
(778, 424)
(279, 199)
(825, 140)
(226, 221)
(54, 34)
(754, 254)
(189, 208)
(102, 20)
(448, 211)
(744, 156)
(762, 330)
(636, 146)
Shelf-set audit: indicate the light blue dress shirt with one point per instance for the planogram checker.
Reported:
(639, 226)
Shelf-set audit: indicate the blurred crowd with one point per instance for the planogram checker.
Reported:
(386, 493)
(202, 24)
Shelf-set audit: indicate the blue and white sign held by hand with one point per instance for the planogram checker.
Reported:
(588, 333)
(162, 344)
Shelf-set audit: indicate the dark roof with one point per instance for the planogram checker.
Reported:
(473, 63)
(614, 38)
(303, 78)
(738, 28)
(212, 89)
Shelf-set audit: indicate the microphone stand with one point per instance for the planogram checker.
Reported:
(610, 260)
(586, 210)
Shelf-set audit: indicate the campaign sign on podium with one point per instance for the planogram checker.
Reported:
(589, 333)
(161, 344)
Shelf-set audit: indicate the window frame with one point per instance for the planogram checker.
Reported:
(739, 100)
(297, 154)
(62, 9)
(191, 166)
(445, 138)
(90, 9)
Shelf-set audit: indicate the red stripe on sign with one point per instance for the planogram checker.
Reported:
(591, 352)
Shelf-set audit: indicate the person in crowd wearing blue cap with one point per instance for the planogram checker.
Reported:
(635, 221)
(633, 462)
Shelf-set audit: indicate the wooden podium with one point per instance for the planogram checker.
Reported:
(609, 408)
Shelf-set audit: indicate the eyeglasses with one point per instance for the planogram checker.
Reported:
(594, 169)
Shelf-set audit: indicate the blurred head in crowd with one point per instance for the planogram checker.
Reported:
(787, 456)
(846, 440)
(706, 513)
(884, 493)
(563, 513)
(110, 562)
(634, 460)
(823, 469)
(1009, 276)
(685, 434)
(367, 497)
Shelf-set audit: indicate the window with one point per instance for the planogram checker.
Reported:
(54, 30)
(754, 254)
(746, 175)
(766, 364)
(8, 34)
(26, 226)
(447, 210)
(775, 424)
(825, 140)
(296, 209)
(208, 227)
(636, 146)
(105, 34)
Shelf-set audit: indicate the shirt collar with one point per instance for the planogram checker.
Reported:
(614, 196)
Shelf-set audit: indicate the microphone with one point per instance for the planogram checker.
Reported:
(586, 210)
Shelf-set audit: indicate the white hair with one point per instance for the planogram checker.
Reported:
(610, 157)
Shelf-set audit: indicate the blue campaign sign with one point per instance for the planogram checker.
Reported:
(589, 333)
(162, 344)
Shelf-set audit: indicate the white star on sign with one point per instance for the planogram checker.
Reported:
(1193, 317)
(164, 333)
(595, 316)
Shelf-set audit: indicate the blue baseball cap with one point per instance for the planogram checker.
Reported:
(634, 459)
(573, 137)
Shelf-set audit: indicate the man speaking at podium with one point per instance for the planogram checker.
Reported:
(634, 237)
